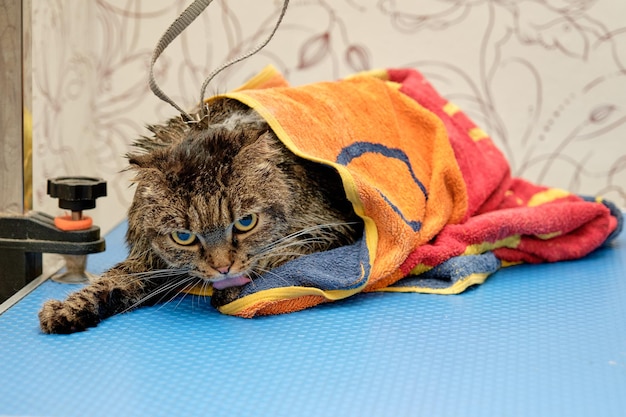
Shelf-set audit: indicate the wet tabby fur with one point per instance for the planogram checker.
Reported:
(202, 178)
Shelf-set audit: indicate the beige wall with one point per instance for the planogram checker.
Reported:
(546, 78)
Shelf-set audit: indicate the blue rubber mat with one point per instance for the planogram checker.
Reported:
(534, 340)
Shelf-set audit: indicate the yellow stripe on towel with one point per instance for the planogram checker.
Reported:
(456, 288)
(477, 134)
(450, 109)
(547, 196)
(479, 248)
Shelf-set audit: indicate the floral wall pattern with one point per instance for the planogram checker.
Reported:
(546, 78)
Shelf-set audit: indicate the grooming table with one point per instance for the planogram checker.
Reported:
(534, 340)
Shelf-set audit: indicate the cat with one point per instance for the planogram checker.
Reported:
(220, 201)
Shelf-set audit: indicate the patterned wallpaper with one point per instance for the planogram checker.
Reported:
(546, 78)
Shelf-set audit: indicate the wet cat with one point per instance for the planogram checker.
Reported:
(217, 202)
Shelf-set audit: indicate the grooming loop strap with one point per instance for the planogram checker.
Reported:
(176, 28)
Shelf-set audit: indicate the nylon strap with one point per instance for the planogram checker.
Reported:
(176, 28)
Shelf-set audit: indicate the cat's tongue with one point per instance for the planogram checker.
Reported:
(231, 282)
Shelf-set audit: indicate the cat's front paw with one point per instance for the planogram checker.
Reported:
(59, 317)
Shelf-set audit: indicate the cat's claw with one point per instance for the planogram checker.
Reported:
(56, 317)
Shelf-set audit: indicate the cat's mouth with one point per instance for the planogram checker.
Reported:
(228, 282)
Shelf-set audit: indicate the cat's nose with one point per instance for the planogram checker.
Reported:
(223, 269)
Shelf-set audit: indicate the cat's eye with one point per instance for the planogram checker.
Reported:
(183, 238)
(246, 223)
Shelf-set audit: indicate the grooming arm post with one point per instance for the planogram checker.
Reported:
(14, 77)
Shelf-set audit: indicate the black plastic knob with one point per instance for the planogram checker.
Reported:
(77, 193)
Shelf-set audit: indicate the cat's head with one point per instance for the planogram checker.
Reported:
(215, 203)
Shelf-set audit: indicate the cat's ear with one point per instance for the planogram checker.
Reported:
(139, 160)
(264, 147)
(144, 160)
(145, 167)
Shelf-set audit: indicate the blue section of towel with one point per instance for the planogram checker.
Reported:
(343, 268)
(454, 269)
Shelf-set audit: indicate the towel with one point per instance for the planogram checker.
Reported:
(440, 208)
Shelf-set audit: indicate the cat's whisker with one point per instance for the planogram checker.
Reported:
(142, 300)
(268, 271)
(287, 244)
(299, 233)
(305, 246)
(316, 228)
(162, 289)
(177, 286)
(253, 278)
(184, 293)
(162, 302)
(293, 254)
(205, 285)
(318, 234)
(134, 277)
(202, 283)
